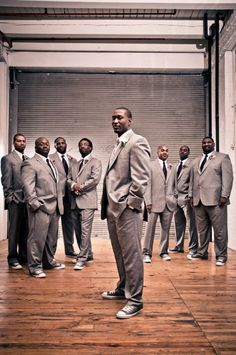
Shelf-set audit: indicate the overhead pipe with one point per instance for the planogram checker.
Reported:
(209, 49)
(217, 60)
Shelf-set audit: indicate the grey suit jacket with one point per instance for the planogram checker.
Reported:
(214, 181)
(182, 183)
(127, 176)
(11, 178)
(42, 190)
(88, 178)
(61, 172)
(160, 192)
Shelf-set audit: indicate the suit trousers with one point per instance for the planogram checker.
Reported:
(217, 217)
(67, 227)
(185, 216)
(43, 234)
(125, 233)
(165, 221)
(17, 232)
(83, 222)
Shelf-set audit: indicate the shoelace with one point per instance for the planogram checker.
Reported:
(127, 309)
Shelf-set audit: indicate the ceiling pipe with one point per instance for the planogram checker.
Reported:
(88, 14)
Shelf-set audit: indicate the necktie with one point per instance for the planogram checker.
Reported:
(50, 166)
(203, 162)
(180, 167)
(23, 157)
(164, 170)
(81, 164)
(65, 165)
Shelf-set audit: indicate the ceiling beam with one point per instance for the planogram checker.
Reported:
(124, 4)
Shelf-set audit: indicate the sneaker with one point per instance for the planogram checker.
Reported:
(176, 250)
(90, 259)
(129, 311)
(190, 254)
(15, 266)
(220, 261)
(38, 274)
(80, 265)
(147, 258)
(58, 266)
(165, 257)
(113, 295)
(197, 256)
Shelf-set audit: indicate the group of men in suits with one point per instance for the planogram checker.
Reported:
(37, 192)
(195, 192)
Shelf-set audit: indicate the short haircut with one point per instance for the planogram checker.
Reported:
(55, 141)
(18, 135)
(186, 146)
(208, 137)
(129, 113)
(87, 140)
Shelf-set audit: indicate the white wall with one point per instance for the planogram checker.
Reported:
(4, 105)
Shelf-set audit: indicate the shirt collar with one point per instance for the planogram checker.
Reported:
(87, 157)
(161, 162)
(183, 161)
(208, 154)
(43, 157)
(19, 154)
(125, 136)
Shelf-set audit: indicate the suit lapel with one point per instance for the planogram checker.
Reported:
(16, 156)
(45, 166)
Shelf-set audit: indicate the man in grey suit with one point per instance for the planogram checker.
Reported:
(15, 203)
(210, 188)
(83, 182)
(160, 201)
(44, 203)
(125, 182)
(184, 214)
(63, 162)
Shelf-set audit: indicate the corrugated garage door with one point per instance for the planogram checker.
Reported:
(167, 108)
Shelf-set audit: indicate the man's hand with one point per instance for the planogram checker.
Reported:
(76, 187)
(149, 208)
(222, 201)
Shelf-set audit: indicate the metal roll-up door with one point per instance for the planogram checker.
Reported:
(167, 109)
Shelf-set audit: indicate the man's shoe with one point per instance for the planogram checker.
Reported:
(15, 266)
(197, 256)
(80, 265)
(72, 255)
(38, 274)
(147, 258)
(190, 254)
(58, 266)
(129, 311)
(113, 295)
(90, 259)
(220, 261)
(165, 257)
(176, 250)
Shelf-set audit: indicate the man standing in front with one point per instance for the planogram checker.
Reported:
(63, 162)
(15, 203)
(44, 203)
(210, 188)
(83, 182)
(160, 201)
(125, 183)
(184, 214)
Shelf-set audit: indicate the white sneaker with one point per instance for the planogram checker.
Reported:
(147, 259)
(80, 265)
(15, 266)
(165, 257)
(220, 261)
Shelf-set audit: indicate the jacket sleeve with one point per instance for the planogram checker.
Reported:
(7, 179)
(28, 175)
(140, 172)
(227, 176)
(94, 178)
